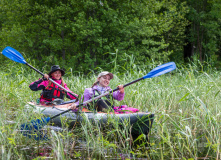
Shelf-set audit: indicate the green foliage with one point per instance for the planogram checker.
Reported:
(83, 34)
(204, 30)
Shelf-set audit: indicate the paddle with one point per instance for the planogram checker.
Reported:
(39, 123)
(14, 55)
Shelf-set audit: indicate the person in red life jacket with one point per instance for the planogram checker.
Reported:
(50, 91)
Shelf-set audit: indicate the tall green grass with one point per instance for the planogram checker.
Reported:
(186, 104)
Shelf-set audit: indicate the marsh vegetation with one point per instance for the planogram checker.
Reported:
(186, 104)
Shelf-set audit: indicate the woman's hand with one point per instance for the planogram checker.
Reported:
(46, 76)
(121, 88)
(72, 106)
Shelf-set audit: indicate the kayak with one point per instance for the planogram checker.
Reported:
(141, 122)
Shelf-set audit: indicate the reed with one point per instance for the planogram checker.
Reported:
(186, 104)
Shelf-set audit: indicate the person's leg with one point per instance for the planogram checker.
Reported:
(102, 105)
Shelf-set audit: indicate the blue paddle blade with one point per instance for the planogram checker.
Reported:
(162, 69)
(14, 55)
(35, 124)
(36, 134)
(33, 129)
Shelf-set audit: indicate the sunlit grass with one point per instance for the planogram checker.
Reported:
(186, 104)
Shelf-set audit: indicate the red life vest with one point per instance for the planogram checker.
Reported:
(50, 93)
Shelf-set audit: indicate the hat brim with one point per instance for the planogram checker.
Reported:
(110, 74)
(62, 72)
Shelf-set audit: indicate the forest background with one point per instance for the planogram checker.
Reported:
(93, 35)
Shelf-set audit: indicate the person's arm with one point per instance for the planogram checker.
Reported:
(119, 95)
(88, 94)
(38, 85)
(68, 94)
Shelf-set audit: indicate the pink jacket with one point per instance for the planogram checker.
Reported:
(41, 84)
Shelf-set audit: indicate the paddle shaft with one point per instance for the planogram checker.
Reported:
(52, 80)
(90, 100)
(129, 83)
(97, 97)
(71, 101)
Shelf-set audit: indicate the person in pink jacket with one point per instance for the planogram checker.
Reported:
(51, 91)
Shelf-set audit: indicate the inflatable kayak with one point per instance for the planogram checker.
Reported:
(141, 122)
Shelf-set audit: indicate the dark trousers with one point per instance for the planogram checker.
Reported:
(103, 105)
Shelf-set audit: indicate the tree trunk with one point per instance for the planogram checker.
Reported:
(199, 43)
(188, 48)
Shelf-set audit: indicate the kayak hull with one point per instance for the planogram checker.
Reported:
(141, 122)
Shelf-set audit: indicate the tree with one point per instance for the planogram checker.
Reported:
(204, 29)
(83, 34)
